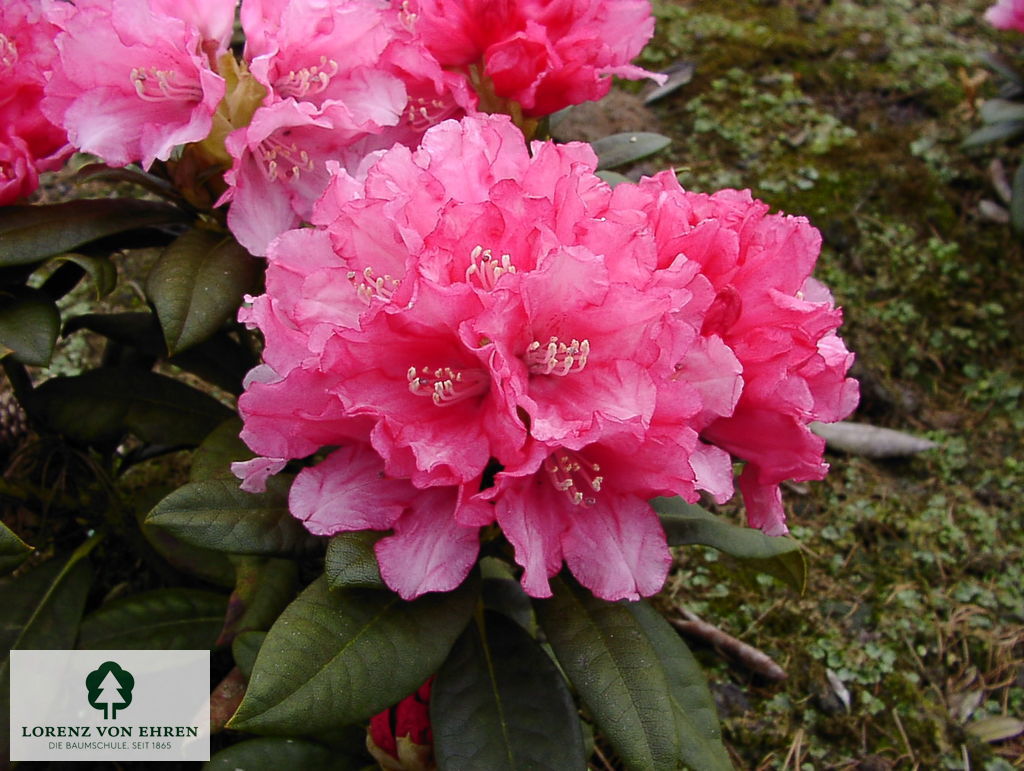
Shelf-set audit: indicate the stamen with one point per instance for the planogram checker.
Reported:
(448, 386)
(571, 473)
(161, 85)
(557, 358)
(422, 113)
(406, 16)
(8, 52)
(308, 80)
(369, 286)
(486, 268)
(281, 161)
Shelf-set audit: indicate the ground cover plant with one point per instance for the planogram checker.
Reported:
(893, 638)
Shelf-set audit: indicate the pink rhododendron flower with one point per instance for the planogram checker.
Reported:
(472, 312)
(539, 54)
(28, 142)
(1006, 14)
(135, 78)
(343, 78)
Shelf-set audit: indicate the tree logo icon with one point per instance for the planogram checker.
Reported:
(110, 688)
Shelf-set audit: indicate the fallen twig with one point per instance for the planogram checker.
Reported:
(755, 660)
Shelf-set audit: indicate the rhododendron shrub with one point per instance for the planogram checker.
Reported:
(468, 309)
(29, 143)
(480, 391)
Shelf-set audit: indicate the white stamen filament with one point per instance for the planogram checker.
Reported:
(8, 52)
(406, 16)
(446, 385)
(573, 474)
(154, 85)
(422, 114)
(486, 268)
(557, 358)
(369, 286)
(308, 80)
(280, 160)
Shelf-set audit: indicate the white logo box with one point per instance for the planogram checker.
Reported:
(147, 705)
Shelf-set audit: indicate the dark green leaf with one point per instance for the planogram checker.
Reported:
(995, 132)
(1017, 200)
(340, 656)
(198, 284)
(211, 566)
(216, 514)
(613, 178)
(29, 325)
(620, 149)
(41, 611)
(102, 404)
(219, 360)
(244, 649)
(169, 619)
(351, 561)
(500, 703)
(700, 736)
(213, 458)
(13, 551)
(777, 556)
(30, 234)
(98, 172)
(264, 587)
(273, 754)
(615, 670)
(100, 269)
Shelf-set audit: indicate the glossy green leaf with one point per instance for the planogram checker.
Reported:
(245, 647)
(620, 149)
(99, 172)
(29, 325)
(101, 405)
(700, 735)
(13, 550)
(272, 754)
(30, 234)
(219, 360)
(100, 269)
(222, 447)
(41, 611)
(340, 656)
(777, 556)
(170, 619)
(216, 514)
(613, 178)
(1017, 201)
(500, 703)
(264, 587)
(615, 670)
(351, 561)
(198, 284)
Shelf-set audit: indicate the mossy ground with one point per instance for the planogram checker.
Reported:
(852, 113)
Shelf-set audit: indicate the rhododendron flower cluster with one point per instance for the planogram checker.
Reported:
(538, 54)
(489, 334)
(1006, 14)
(29, 143)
